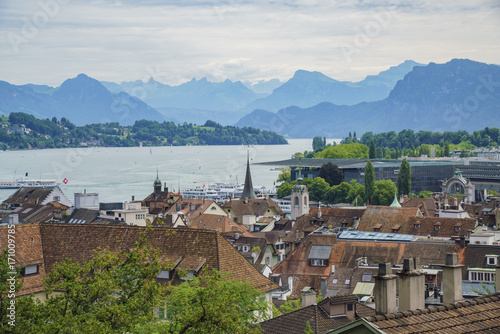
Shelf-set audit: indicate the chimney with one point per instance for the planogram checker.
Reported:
(452, 279)
(411, 286)
(308, 297)
(319, 210)
(497, 278)
(385, 289)
(323, 286)
(462, 241)
(133, 198)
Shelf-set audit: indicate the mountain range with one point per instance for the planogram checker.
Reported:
(458, 95)
(82, 100)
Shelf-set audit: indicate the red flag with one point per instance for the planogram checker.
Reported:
(203, 185)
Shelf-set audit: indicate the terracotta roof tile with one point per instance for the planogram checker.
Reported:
(78, 242)
(295, 322)
(220, 223)
(386, 217)
(480, 316)
(28, 251)
(254, 207)
(438, 227)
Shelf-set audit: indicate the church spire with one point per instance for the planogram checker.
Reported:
(248, 192)
(157, 184)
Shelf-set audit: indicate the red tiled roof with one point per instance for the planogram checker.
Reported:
(194, 247)
(387, 217)
(219, 223)
(438, 227)
(28, 251)
(479, 315)
(254, 207)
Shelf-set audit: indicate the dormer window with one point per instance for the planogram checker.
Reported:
(319, 255)
(31, 269)
(457, 229)
(164, 274)
(376, 227)
(319, 262)
(491, 260)
(416, 226)
(437, 227)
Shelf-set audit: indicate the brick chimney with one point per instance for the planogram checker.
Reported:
(411, 286)
(452, 279)
(385, 289)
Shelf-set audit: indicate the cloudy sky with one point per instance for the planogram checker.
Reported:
(48, 41)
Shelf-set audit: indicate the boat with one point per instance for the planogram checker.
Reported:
(200, 192)
(28, 183)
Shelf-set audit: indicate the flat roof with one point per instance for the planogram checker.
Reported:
(359, 235)
(357, 163)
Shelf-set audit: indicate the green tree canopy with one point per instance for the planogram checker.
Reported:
(372, 153)
(369, 180)
(214, 303)
(404, 178)
(383, 193)
(331, 173)
(347, 151)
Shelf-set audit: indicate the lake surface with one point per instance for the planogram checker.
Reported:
(118, 173)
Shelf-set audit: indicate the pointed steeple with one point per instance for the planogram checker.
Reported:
(157, 184)
(248, 192)
(395, 203)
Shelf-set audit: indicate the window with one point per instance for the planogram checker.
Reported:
(347, 281)
(268, 260)
(491, 260)
(395, 230)
(367, 277)
(165, 274)
(416, 226)
(214, 208)
(30, 270)
(437, 227)
(376, 229)
(334, 281)
(349, 307)
(457, 229)
(57, 198)
(318, 262)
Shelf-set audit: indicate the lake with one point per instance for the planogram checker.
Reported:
(118, 173)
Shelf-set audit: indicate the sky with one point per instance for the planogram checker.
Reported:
(49, 41)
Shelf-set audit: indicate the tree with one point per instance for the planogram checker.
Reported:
(383, 193)
(308, 329)
(214, 303)
(284, 189)
(344, 151)
(111, 293)
(318, 189)
(331, 173)
(404, 178)
(318, 143)
(372, 153)
(285, 175)
(17, 315)
(369, 180)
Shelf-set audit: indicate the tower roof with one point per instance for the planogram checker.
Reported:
(395, 203)
(157, 181)
(248, 189)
